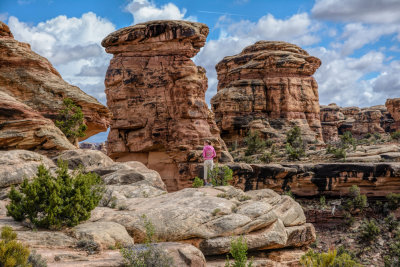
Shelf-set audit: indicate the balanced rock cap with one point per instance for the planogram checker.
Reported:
(159, 37)
(273, 57)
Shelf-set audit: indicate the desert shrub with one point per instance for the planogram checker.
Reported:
(269, 143)
(392, 259)
(391, 222)
(294, 144)
(215, 212)
(348, 141)
(369, 230)
(12, 253)
(377, 136)
(52, 202)
(337, 152)
(70, 121)
(267, 157)
(36, 260)
(396, 135)
(348, 218)
(254, 143)
(197, 182)
(147, 255)
(289, 193)
(238, 251)
(393, 201)
(355, 200)
(90, 246)
(328, 259)
(322, 201)
(220, 175)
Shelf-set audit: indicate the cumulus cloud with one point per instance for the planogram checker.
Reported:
(72, 45)
(388, 82)
(143, 10)
(234, 36)
(344, 80)
(376, 11)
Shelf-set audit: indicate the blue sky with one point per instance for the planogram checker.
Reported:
(357, 40)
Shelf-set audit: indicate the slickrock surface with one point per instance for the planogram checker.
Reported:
(21, 127)
(393, 107)
(202, 220)
(267, 87)
(336, 120)
(156, 94)
(32, 80)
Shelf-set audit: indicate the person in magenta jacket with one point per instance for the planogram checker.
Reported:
(208, 156)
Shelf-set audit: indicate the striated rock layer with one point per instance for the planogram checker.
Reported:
(24, 128)
(336, 120)
(268, 87)
(32, 80)
(156, 94)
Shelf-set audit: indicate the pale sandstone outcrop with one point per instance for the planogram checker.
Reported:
(157, 96)
(32, 80)
(21, 127)
(267, 87)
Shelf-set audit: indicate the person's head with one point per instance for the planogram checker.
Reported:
(207, 143)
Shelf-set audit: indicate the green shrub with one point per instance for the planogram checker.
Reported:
(347, 140)
(322, 201)
(391, 222)
(337, 152)
(267, 157)
(396, 135)
(294, 144)
(197, 182)
(328, 259)
(254, 143)
(377, 136)
(215, 212)
(369, 230)
(12, 253)
(70, 121)
(393, 255)
(356, 200)
(147, 255)
(238, 251)
(220, 175)
(289, 193)
(52, 202)
(36, 260)
(393, 201)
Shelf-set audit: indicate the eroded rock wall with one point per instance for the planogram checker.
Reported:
(393, 107)
(336, 120)
(32, 80)
(268, 87)
(157, 96)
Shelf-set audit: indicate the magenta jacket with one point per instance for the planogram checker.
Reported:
(209, 152)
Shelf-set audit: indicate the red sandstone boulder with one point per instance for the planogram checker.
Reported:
(157, 96)
(24, 128)
(32, 80)
(268, 87)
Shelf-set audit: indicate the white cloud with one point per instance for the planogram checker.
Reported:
(3, 16)
(143, 10)
(367, 11)
(72, 45)
(344, 80)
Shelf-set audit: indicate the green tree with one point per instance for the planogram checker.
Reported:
(52, 202)
(294, 144)
(70, 121)
(12, 253)
(254, 143)
(238, 251)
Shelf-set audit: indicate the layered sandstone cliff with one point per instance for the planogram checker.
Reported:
(336, 120)
(268, 87)
(157, 96)
(32, 80)
(393, 107)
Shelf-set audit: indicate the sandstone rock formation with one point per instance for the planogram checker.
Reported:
(156, 94)
(393, 107)
(267, 87)
(333, 179)
(32, 80)
(24, 128)
(205, 217)
(336, 120)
